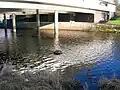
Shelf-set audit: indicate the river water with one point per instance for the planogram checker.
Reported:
(86, 56)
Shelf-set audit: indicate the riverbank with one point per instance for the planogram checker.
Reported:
(110, 84)
(115, 20)
(108, 27)
(40, 80)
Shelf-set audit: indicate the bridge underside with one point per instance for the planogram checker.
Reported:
(69, 13)
(16, 5)
(21, 7)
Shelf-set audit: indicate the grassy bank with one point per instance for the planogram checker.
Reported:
(115, 20)
(40, 80)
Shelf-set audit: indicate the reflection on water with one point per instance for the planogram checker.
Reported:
(86, 55)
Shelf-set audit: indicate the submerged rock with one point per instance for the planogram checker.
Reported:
(71, 85)
(57, 52)
(113, 84)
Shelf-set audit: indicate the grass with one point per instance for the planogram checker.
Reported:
(41, 80)
(109, 84)
(115, 20)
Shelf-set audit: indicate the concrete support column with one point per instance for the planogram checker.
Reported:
(97, 16)
(14, 22)
(56, 23)
(38, 19)
(5, 24)
(56, 42)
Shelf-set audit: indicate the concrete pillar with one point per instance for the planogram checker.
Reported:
(38, 19)
(14, 22)
(56, 23)
(5, 24)
(56, 42)
(97, 16)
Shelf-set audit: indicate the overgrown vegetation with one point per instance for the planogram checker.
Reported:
(115, 20)
(109, 84)
(39, 80)
(108, 28)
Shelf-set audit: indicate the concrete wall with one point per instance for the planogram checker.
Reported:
(100, 16)
(70, 26)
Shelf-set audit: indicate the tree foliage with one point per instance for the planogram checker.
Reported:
(117, 7)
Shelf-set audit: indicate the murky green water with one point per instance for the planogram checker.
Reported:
(84, 54)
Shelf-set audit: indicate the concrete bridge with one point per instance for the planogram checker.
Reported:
(100, 9)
